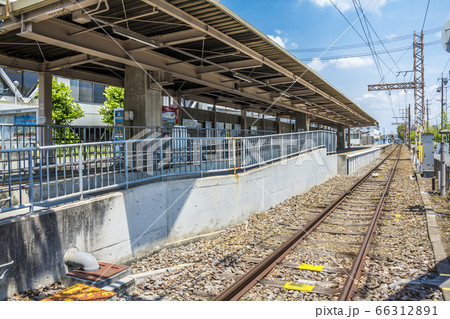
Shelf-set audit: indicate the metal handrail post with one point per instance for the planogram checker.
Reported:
(201, 158)
(126, 164)
(80, 170)
(161, 159)
(30, 181)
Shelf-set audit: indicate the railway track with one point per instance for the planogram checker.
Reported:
(350, 222)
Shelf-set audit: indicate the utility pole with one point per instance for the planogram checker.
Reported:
(403, 121)
(442, 179)
(428, 115)
(409, 126)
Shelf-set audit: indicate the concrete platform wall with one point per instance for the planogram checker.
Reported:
(350, 163)
(122, 226)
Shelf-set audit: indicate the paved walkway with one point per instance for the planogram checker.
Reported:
(440, 257)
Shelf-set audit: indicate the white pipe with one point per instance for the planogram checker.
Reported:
(73, 257)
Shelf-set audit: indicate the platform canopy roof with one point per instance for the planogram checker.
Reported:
(193, 49)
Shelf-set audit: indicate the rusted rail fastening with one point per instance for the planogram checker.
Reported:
(247, 281)
(355, 273)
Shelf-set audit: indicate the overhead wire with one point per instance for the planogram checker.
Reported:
(358, 6)
(340, 12)
(426, 13)
(376, 34)
(363, 45)
(364, 54)
(368, 44)
(369, 38)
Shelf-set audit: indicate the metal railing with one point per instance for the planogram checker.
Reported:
(42, 175)
(23, 136)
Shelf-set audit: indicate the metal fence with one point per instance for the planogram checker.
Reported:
(41, 175)
(24, 136)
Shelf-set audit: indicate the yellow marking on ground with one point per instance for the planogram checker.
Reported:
(398, 215)
(298, 287)
(446, 289)
(80, 292)
(310, 267)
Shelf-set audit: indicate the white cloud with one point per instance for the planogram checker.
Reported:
(343, 63)
(391, 36)
(431, 90)
(278, 40)
(356, 62)
(346, 5)
(368, 96)
(317, 65)
(377, 101)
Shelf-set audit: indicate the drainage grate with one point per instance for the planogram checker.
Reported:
(106, 271)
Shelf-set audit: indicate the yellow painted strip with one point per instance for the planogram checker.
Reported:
(82, 293)
(446, 275)
(298, 287)
(446, 289)
(398, 215)
(310, 267)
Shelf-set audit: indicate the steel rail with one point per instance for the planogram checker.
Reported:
(355, 273)
(247, 281)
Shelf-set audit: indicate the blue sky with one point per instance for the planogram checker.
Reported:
(300, 25)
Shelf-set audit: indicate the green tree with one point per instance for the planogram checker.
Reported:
(114, 100)
(64, 109)
(401, 131)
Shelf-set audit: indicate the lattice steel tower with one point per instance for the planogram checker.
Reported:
(418, 85)
(419, 80)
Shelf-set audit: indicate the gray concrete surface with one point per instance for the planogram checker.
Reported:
(122, 226)
(434, 234)
(350, 162)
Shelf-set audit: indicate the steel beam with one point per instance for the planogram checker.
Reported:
(180, 37)
(47, 12)
(16, 63)
(56, 32)
(110, 65)
(69, 62)
(90, 77)
(197, 91)
(237, 65)
(392, 86)
(195, 23)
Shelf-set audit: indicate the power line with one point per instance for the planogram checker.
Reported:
(340, 12)
(363, 45)
(443, 70)
(426, 13)
(376, 58)
(364, 54)
(376, 34)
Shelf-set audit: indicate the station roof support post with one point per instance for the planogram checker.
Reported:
(145, 103)
(340, 137)
(244, 124)
(301, 122)
(348, 137)
(44, 116)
